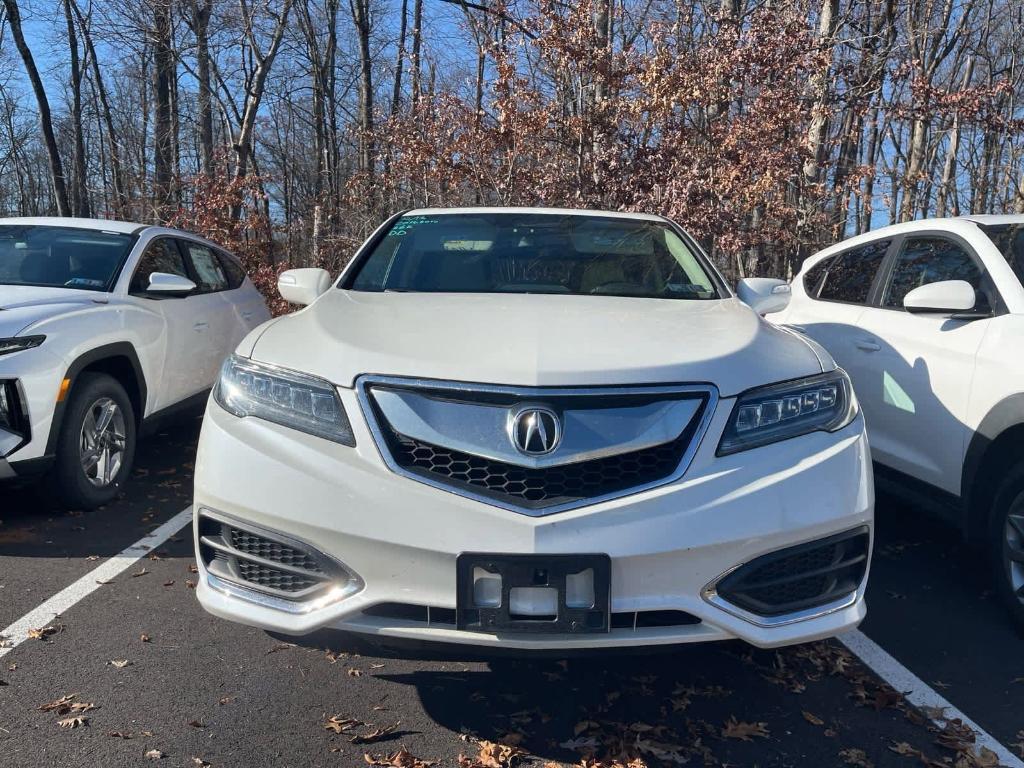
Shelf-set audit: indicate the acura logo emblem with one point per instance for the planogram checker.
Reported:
(535, 431)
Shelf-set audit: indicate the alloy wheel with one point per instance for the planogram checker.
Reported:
(1013, 547)
(103, 442)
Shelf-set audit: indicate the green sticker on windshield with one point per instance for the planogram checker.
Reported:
(407, 223)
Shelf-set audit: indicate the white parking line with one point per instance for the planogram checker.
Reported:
(17, 633)
(920, 694)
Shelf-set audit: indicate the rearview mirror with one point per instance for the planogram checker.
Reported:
(167, 284)
(944, 296)
(764, 294)
(303, 286)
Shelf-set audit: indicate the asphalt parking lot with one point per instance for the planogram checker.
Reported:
(147, 677)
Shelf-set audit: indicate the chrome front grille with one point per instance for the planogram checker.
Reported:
(266, 562)
(614, 441)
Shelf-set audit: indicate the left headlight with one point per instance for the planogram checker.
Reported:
(292, 399)
(19, 343)
(768, 414)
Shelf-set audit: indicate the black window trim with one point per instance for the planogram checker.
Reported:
(184, 260)
(893, 239)
(181, 241)
(998, 305)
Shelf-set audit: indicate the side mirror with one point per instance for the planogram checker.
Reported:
(166, 284)
(941, 297)
(764, 294)
(303, 286)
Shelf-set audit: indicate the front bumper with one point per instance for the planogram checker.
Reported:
(668, 546)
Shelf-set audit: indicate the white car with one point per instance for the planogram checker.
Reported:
(927, 318)
(537, 429)
(105, 327)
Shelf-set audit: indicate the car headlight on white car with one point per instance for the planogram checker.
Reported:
(292, 399)
(19, 343)
(777, 412)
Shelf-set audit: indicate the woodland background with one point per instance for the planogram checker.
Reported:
(288, 129)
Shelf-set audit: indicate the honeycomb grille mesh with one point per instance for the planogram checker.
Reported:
(263, 563)
(544, 486)
(273, 578)
(251, 544)
(800, 577)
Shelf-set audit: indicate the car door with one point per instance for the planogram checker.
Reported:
(248, 308)
(218, 320)
(186, 323)
(919, 367)
(836, 291)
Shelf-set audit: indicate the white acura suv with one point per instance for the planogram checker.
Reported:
(538, 429)
(105, 327)
(927, 318)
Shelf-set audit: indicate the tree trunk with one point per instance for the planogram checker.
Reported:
(417, 38)
(201, 27)
(113, 147)
(60, 191)
(79, 195)
(361, 19)
(163, 122)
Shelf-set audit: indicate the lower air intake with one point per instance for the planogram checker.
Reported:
(801, 577)
(266, 562)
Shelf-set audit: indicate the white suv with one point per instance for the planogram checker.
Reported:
(105, 327)
(533, 428)
(927, 318)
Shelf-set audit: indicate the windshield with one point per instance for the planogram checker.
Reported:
(61, 257)
(533, 253)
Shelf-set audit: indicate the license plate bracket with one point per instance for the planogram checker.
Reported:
(535, 571)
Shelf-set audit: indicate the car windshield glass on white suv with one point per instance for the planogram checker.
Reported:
(533, 253)
(61, 257)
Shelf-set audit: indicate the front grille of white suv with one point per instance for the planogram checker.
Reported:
(615, 441)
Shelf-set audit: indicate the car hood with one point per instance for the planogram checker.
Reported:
(535, 340)
(22, 306)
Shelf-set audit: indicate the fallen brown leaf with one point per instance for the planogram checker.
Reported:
(73, 722)
(375, 735)
(340, 724)
(145, 638)
(169, 583)
(812, 718)
(734, 729)
(197, 723)
(153, 754)
(43, 632)
(143, 572)
(403, 758)
(200, 763)
(492, 755)
(119, 663)
(856, 757)
(352, 672)
(62, 703)
(119, 734)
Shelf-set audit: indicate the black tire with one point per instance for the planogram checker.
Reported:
(72, 481)
(1004, 541)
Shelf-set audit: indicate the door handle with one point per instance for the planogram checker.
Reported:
(201, 326)
(868, 345)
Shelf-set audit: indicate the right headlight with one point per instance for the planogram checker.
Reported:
(292, 399)
(766, 415)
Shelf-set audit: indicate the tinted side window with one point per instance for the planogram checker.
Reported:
(161, 255)
(850, 275)
(814, 275)
(232, 270)
(207, 267)
(925, 260)
(1009, 239)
